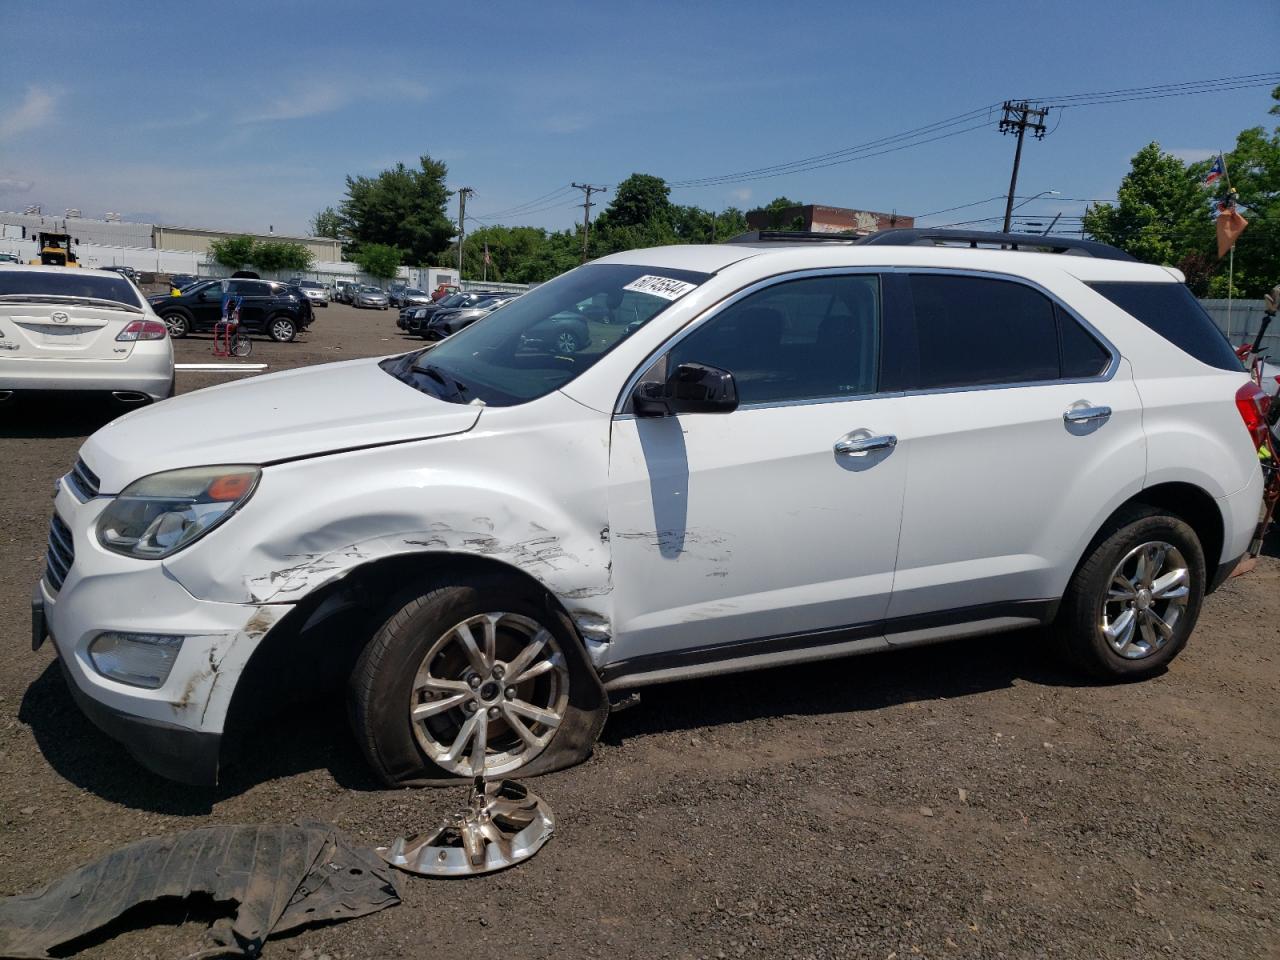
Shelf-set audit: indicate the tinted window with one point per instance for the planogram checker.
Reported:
(1171, 311)
(799, 340)
(69, 283)
(974, 332)
(1082, 355)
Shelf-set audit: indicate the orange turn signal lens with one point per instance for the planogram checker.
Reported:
(231, 486)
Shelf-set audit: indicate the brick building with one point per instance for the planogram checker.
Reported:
(822, 219)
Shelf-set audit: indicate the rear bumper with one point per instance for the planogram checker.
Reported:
(147, 370)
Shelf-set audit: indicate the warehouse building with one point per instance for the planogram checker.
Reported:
(823, 219)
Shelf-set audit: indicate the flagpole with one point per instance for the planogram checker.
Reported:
(1231, 282)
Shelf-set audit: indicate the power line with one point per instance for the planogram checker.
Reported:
(1020, 117)
(519, 208)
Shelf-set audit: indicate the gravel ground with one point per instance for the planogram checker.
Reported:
(968, 800)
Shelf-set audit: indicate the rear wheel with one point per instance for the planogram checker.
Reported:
(567, 341)
(281, 329)
(474, 678)
(241, 345)
(1135, 599)
(178, 323)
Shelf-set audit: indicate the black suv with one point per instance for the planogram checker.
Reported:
(268, 308)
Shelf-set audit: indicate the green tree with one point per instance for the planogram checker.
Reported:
(775, 210)
(232, 252)
(379, 259)
(641, 200)
(1162, 214)
(281, 255)
(402, 207)
(327, 223)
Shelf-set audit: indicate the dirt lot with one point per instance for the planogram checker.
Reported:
(971, 800)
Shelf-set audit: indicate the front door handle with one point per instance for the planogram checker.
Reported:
(1087, 414)
(860, 442)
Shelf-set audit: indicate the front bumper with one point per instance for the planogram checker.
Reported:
(175, 729)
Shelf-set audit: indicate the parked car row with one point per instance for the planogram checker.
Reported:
(267, 307)
(435, 321)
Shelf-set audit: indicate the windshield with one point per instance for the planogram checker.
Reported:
(41, 283)
(542, 340)
(413, 292)
(311, 284)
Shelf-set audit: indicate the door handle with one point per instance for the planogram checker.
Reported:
(859, 443)
(1086, 414)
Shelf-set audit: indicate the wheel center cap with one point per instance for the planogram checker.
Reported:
(490, 691)
(1144, 599)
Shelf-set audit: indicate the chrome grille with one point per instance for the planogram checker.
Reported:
(83, 481)
(61, 555)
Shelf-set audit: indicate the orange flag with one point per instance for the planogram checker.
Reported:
(1230, 226)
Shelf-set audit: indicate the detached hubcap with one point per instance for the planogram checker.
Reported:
(1146, 598)
(489, 695)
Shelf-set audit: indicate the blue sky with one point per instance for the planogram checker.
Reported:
(244, 115)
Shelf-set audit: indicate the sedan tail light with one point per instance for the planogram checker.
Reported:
(1252, 402)
(143, 330)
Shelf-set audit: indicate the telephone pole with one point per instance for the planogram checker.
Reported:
(1020, 116)
(587, 190)
(462, 224)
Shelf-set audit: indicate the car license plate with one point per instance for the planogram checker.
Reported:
(39, 628)
(62, 336)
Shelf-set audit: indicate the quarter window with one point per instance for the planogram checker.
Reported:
(807, 339)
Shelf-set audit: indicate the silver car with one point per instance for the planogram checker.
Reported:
(314, 291)
(83, 331)
(367, 296)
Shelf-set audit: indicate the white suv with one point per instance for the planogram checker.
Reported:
(765, 453)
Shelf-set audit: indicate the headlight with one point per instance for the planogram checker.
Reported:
(160, 514)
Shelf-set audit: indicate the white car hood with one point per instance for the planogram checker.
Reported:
(282, 416)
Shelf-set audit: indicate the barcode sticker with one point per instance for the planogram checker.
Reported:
(663, 287)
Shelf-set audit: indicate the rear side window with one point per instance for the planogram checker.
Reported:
(1171, 311)
(973, 331)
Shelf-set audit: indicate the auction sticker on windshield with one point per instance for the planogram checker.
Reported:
(663, 287)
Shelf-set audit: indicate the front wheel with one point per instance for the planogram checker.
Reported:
(476, 678)
(241, 346)
(282, 329)
(567, 342)
(1135, 599)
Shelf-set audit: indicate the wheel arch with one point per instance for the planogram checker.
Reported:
(316, 644)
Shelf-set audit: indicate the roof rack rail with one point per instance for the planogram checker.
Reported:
(792, 236)
(911, 237)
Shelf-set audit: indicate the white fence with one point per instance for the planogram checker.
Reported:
(1240, 323)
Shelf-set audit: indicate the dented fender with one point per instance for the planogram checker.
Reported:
(527, 487)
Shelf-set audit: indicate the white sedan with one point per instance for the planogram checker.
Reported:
(64, 329)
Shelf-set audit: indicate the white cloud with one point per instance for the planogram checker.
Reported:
(742, 196)
(1194, 154)
(35, 111)
(314, 96)
(14, 185)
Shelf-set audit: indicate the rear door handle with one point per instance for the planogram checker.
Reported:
(860, 442)
(1087, 414)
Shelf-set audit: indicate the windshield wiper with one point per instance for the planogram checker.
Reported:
(444, 379)
(61, 297)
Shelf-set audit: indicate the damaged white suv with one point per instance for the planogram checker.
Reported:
(754, 453)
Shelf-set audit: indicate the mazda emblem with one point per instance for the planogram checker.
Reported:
(59, 317)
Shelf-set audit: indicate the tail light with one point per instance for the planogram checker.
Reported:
(1252, 403)
(143, 330)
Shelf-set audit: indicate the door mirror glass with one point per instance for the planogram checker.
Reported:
(691, 388)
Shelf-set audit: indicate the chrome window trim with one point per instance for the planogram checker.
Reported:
(715, 309)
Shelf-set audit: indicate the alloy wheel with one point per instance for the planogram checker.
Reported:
(566, 342)
(1146, 597)
(489, 695)
(282, 331)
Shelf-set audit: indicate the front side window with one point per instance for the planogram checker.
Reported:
(975, 331)
(547, 337)
(807, 339)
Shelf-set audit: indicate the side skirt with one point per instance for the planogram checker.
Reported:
(763, 652)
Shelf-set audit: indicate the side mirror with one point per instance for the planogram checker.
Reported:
(691, 388)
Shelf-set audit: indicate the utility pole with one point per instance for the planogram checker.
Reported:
(462, 224)
(1020, 116)
(587, 190)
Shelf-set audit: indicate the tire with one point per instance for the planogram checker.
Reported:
(281, 329)
(417, 656)
(567, 341)
(241, 346)
(1093, 631)
(178, 322)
